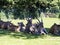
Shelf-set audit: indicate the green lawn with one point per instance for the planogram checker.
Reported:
(13, 38)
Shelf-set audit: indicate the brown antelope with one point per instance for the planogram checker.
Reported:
(16, 28)
(55, 29)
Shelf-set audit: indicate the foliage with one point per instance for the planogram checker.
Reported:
(28, 8)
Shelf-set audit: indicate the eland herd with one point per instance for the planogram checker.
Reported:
(36, 28)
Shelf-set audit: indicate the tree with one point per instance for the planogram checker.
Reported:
(30, 7)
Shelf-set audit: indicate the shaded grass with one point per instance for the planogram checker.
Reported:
(18, 35)
(23, 35)
(14, 38)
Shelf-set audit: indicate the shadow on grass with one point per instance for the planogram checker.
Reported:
(23, 35)
(18, 35)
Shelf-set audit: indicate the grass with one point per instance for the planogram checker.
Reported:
(14, 38)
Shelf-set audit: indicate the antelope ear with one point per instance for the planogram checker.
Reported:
(55, 24)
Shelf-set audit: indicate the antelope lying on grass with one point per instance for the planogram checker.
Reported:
(55, 29)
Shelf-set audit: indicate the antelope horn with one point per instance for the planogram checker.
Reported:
(41, 20)
(38, 19)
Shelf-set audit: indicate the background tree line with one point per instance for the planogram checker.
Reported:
(28, 8)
